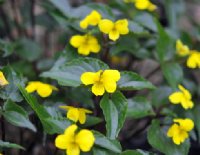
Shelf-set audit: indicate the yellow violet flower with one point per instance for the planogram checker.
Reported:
(85, 44)
(92, 19)
(73, 142)
(193, 60)
(179, 130)
(76, 114)
(181, 49)
(102, 81)
(3, 80)
(43, 89)
(182, 97)
(114, 29)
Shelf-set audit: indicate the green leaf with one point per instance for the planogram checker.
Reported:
(136, 152)
(69, 74)
(91, 121)
(136, 28)
(104, 142)
(18, 119)
(159, 140)
(11, 91)
(132, 81)
(139, 107)
(174, 69)
(165, 48)
(7, 47)
(10, 145)
(114, 111)
(100, 151)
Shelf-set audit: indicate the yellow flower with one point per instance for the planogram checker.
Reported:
(102, 81)
(144, 5)
(182, 97)
(3, 80)
(85, 44)
(76, 114)
(114, 30)
(193, 60)
(181, 49)
(92, 19)
(73, 142)
(179, 130)
(43, 89)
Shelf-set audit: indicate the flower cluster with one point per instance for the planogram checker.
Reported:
(142, 4)
(179, 130)
(193, 60)
(88, 43)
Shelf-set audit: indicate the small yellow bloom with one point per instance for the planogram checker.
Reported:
(182, 97)
(179, 130)
(193, 60)
(43, 89)
(114, 30)
(102, 81)
(144, 5)
(3, 80)
(76, 114)
(73, 142)
(85, 44)
(92, 19)
(181, 49)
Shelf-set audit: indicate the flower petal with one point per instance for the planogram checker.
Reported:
(82, 116)
(44, 90)
(185, 124)
(110, 86)
(3, 80)
(142, 4)
(172, 130)
(73, 149)
(106, 26)
(186, 93)
(85, 139)
(88, 78)
(61, 142)
(84, 49)
(77, 40)
(73, 114)
(98, 89)
(176, 97)
(114, 35)
(32, 86)
(122, 26)
(110, 74)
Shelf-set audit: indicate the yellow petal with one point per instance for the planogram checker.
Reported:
(93, 44)
(106, 26)
(176, 97)
(77, 40)
(110, 74)
(84, 49)
(114, 35)
(110, 86)
(94, 18)
(181, 49)
(44, 90)
(86, 110)
(85, 139)
(185, 124)
(61, 142)
(187, 104)
(98, 89)
(176, 139)
(84, 23)
(66, 107)
(122, 26)
(82, 116)
(3, 80)
(193, 60)
(185, 92)
(142, 4)
(88, 78)
(152, 7)
(73, 149)
(32, 86)
(172, 130)
(73, 114)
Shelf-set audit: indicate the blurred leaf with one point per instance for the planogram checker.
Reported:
(136, 28)
(69, 74)
(106, 143)
(136, 152)
(91, 121)
(11, 91)
(18, 119)
(174, 69)
(165, 48)
(114, 111)
(146, 20)
(132, 81)
(10, 145)
(139, 107)
(7, 47)
(159, 140)
(100, 151)
(28, 49)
